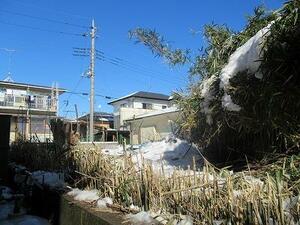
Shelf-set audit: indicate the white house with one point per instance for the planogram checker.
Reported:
(135, 104)
(31, 107)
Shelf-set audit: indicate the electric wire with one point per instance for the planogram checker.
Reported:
(125, 64)
(126, 67)
(41, 29)
(42, 18)
(25, 3)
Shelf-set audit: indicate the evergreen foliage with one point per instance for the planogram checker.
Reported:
(269, 119)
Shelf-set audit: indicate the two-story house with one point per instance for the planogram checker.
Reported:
(135, 104)
(31, 107)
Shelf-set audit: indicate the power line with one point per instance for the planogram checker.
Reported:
(44, 19)
(24, 3)
(124, 61)
(87, 94)
(123, 66)
(41, 29)
(74, 89)
(116, 61)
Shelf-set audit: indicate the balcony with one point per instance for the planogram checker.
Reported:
(40, 103)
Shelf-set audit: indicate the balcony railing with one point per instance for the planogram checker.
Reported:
(24, 102)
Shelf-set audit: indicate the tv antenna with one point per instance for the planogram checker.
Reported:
(10, 53)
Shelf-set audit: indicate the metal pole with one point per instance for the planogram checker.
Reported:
(92, 78)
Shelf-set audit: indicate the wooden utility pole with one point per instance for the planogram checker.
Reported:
(92, 78)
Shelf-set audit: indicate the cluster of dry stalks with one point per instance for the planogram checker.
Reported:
(210, 196)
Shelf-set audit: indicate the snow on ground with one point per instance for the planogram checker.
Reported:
(245, 58)
(118, 151)
(171, 152)
(84, 195)
(102, 203)
(17, 168)
(6, 209)
(5, 193)
(51, 179)
(141, 218)
(25, 220)
(90, 196)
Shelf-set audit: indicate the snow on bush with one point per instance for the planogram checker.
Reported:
(245, 58)
(207, 94)
(228, 104)
(84, 195)
(50, 179)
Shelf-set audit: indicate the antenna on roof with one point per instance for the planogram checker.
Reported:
(10, 52)
(8, 78)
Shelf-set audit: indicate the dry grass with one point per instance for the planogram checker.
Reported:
(209, 195)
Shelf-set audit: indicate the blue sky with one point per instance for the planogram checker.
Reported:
(43, 57)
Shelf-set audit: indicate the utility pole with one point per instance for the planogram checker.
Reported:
(92, 78)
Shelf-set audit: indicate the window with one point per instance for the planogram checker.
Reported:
(18, 99)
(164, 107)
(124, 105)
(147, 106)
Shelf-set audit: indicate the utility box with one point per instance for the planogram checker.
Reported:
(4, 145)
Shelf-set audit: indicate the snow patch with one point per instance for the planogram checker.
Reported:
(102, 203)
(290, 203)
(6, 209)
(228, 104)
(50, 179)
(171, 152)
(245, 58)
(207, 94)
(134, 207)
(26, 220)
(254, 181)
(84, 195)
(141, 218)
(5, 193)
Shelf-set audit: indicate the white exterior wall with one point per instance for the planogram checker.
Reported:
(156, 104)
(134, 107)
(129, 113)
(153, 128)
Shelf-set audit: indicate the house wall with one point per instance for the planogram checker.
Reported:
(152, 128)
(133, 107)
(14, 101)
(39, 129)
(128, 113)
(18, 99)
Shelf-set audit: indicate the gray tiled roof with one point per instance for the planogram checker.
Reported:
(143, 94)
